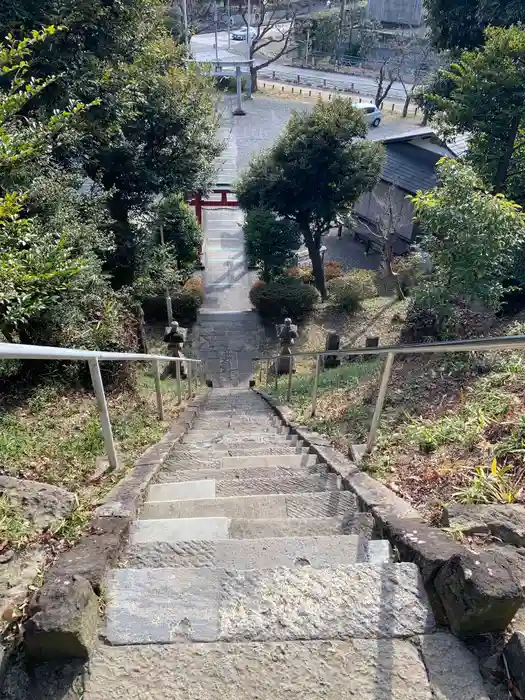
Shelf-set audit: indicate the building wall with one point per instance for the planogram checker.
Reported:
(407, 12)
(373, 206)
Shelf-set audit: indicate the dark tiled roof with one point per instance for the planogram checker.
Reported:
(409, 167)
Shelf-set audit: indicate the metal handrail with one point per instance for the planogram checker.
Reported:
(13, 351)
(514, 342)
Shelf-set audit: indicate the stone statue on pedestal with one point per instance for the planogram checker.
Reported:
(287, 334)
(175, 337)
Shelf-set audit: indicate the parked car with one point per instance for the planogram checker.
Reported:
(241, 34)
(371, 113)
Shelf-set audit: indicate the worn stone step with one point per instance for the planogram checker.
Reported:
(229, 428)
(365, 601)
(232, 421)
(262, 553)
(189, 453)
(239, 473)
(221, 528)
(186, 460)
(431, 667)
(307, 505)
(215, 488)
(233, 438)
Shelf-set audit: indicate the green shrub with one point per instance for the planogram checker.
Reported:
(433, 316)
(363, 281)
(195, 286)
(344, 295)
(185, 307)
(284, 297)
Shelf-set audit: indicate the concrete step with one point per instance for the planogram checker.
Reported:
(221, 528)
(236, 440)
(214, 488)
(354, 669)
(263, 553)
(188, 454)
(227, 429)
(365, 601)
(180, 459)
(239, 473)
(233, 421)
(297, 505)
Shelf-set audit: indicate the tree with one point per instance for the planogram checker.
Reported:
(484, 94)
(460, 24)
(152, 134)
(272, 31)
(180, 228)
(471, 235)
(270, 243)
(315, 172)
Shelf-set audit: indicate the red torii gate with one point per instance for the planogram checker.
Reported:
(197, 201)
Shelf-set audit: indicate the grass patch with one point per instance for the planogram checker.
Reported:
(55, 437)
(14, 528)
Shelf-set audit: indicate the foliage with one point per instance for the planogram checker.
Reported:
(364, 282)
(496, 484)
(270, 243)
(408, 270)
(470, 235)
(314, 173)
(483, 95)
(195, 286)
(284, 297)
(180, 228)
(332, 270)
(344, 296)
(185, 307)
(433, 316)
(459, 24)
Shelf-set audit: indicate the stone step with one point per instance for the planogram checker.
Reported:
(235, 439)
(365, 601)
(182, 460)
(227, 429)
(215, 488)
(231, 420)
(297, 505)
(239, 473)
(220, 528)
(262, 553)
(355, 669)
(188, 453)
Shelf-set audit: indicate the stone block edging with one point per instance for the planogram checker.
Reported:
(480, 596)
(63, 615)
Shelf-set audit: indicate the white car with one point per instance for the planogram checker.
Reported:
(371, 113)
(242, 34)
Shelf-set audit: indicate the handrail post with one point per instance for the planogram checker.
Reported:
(276, 367)
(158, 391)
(267, 373)
(190, 387)
(290, 372)
(107, 432)
(177, 379)
(385, 378)
(316, 384)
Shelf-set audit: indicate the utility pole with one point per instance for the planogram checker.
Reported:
(215, 16)
(186, 32)
(229, 24)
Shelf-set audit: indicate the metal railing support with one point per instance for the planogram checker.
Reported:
(190, 383)
(267, 373)
(107, 432)
(290, 373)
(276, 367)
(385, 378)
(260, 372)
(177, 379)
(158, 390)
(316, 384)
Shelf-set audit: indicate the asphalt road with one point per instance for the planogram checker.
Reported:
(203, 47)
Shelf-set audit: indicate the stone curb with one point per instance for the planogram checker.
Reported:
(64, 614)
(416, 541)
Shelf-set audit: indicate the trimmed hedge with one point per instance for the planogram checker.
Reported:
(287, 296)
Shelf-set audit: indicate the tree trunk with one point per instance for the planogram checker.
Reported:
(143, 341)
(504, 162)
(121, 262)
(315, 259)
(406, 106)
(253, 73)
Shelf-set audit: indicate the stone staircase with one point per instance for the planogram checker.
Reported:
(251, 575)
